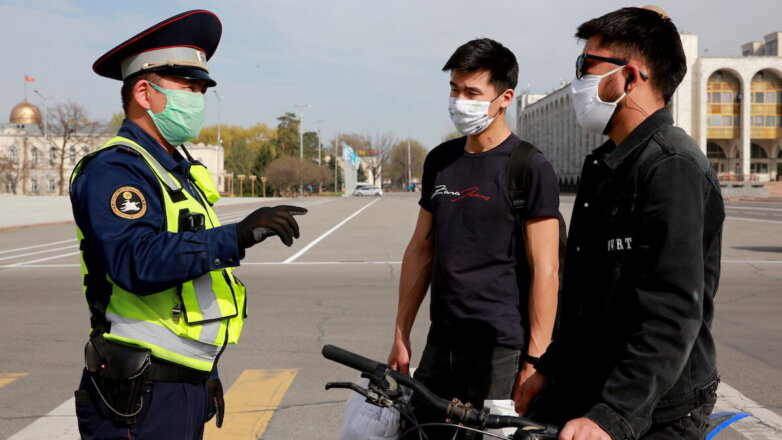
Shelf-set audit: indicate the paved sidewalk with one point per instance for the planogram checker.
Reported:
(22, 211)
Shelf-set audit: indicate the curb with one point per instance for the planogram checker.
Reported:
(35, 225)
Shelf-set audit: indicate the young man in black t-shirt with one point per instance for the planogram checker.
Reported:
(486, 332)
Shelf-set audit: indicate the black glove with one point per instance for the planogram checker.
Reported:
(265, 222)
(214, 401)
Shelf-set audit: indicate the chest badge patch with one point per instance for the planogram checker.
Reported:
(128, 202)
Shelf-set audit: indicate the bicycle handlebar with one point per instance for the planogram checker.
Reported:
(452, 409)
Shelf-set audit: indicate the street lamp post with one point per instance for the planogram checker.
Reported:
(219, 105)
(409, 167)
(47, 141)
(301, 108)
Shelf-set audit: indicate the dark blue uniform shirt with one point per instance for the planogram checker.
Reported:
(139, 254)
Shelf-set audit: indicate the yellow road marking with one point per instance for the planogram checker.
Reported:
(250, 404)
(6, 378)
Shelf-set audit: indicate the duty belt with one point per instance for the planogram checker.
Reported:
(162, 371)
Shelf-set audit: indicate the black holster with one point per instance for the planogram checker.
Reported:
(119, 373)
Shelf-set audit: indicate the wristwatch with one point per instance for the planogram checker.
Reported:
(532, 360)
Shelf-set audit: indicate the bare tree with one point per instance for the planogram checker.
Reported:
(380, 153)
(68, 125)
(286, 173)
(10, 173)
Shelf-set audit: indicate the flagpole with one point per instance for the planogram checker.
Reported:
(25, 87)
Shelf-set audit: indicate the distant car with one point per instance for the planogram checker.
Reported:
(367, 190)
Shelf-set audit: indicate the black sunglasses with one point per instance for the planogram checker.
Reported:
(581, 64)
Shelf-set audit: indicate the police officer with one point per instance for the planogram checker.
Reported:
(157, 265)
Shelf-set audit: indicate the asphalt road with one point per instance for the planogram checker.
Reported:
(342, 291)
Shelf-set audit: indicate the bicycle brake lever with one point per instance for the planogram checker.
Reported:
(371, 396)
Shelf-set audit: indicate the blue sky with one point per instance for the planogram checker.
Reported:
(364, 66)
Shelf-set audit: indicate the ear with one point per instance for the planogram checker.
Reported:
(632, 74)
(507, 98)
(141, 92)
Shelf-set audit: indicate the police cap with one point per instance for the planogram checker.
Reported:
(178, 46)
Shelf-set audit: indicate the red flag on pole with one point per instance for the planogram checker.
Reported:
(29, 78)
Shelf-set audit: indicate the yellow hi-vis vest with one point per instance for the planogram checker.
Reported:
(188, 324)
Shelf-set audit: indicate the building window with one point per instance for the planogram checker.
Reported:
(758, 168)
(52, 185)
(34, 156)
(715, 121)
(52, 156)
(33, 184)
(72, 155)
(714, 151)
(13, 154)
(727, 121)
(771, 121)
(757, 152)
(770, 97)
(757, 121)
(757, 97)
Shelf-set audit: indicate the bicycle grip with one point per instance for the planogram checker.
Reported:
(349, 359)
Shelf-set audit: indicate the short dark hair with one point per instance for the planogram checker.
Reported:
(129, 83)
(645, 34)
(487, 54)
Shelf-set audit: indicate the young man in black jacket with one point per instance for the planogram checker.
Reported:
(635, 356)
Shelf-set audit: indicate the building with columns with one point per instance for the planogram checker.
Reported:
(731, 105)
(31, 160)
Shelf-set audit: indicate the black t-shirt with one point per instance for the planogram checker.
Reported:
(475, 298)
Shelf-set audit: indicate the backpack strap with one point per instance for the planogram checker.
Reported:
(519, 178)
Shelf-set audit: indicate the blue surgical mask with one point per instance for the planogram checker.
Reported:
(183, 116)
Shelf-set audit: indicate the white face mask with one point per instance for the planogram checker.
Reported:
(592, 113)
(470, 117)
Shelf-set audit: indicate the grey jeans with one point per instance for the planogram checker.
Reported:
(470, 374)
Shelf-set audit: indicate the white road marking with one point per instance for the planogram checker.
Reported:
(25, 263)
(764, 424)
(27, 254)
(298, 254)
(59, 424)
(37, 246)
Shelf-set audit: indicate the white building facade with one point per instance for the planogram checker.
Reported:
(732, 106)
(32, 162)
(31, 159)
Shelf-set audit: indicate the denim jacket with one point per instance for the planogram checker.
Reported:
(641, 271)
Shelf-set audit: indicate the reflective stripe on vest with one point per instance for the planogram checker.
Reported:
(186, 324)
(183, 351)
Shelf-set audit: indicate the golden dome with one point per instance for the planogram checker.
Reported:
(25, 113)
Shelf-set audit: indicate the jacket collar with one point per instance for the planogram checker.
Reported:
(170, 162)
(613, 156)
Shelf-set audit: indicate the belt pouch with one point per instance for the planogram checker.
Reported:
(118, 372)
